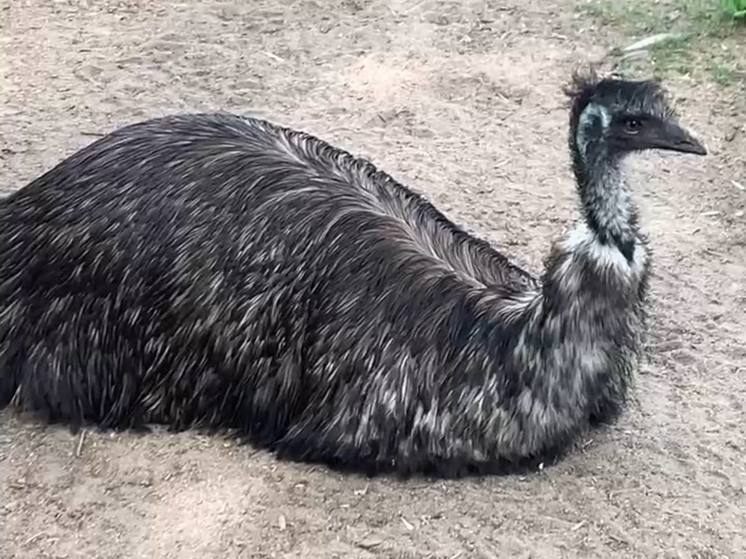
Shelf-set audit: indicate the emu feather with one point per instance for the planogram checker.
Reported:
(224, 272)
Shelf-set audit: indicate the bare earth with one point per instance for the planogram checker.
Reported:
(462, 101)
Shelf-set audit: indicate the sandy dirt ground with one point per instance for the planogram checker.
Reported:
(462, 101)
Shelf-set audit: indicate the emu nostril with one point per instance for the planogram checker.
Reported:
(691, 145)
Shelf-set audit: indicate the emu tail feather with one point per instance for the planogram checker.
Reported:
(10, 382)
(10, 375)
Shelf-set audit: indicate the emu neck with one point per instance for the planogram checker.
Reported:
(606, 202)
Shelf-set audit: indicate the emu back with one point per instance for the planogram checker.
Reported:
(223, 272)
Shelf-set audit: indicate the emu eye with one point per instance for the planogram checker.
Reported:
(632, 125)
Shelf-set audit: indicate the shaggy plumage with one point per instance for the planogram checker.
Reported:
(224, 272)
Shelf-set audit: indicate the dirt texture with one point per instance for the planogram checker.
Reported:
(461, 100)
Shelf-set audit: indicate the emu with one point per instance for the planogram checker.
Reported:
(225, 273)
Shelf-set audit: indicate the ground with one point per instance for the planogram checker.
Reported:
(462, 101)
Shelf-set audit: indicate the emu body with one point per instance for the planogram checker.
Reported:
(223, 272)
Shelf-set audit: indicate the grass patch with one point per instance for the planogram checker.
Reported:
(734, 8)
(710, 35)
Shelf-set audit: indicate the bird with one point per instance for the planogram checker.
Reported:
(222, 272)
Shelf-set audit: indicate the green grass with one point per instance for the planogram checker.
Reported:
(710, 34)
(734, 8)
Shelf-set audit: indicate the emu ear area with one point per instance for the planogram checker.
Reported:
(580, 90)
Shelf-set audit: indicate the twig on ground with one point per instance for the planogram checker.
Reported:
(81, 440)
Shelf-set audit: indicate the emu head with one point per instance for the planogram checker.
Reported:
(611, 118)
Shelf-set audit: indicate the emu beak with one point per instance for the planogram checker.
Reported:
(675, 138)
